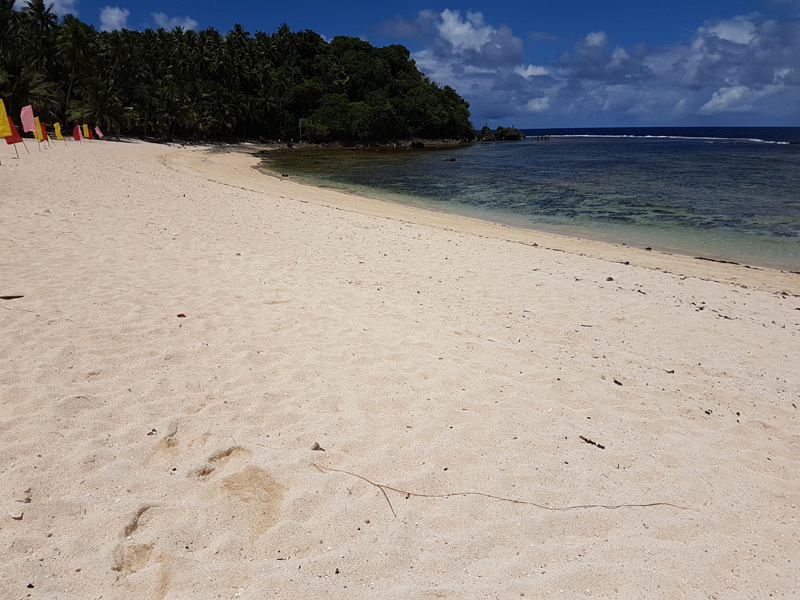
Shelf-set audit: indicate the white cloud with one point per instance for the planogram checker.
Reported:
(113, 17)
(473, 70)
(619, 55)
(531, 71)
(64, 7)
(161, 20)
(598, 38)
(739, 30)
(781, 75)
(471, 34)
(738, 99)
(745, 65)
(427, 62)
(538, 105)
(726, 100)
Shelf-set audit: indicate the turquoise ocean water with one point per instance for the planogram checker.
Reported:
(724, 193)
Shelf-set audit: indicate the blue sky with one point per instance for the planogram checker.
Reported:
(548, 63)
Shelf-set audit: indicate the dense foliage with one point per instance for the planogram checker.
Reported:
(500, 134)
(205, 84)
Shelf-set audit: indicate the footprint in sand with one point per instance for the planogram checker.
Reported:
(133, 525)
(131, 558)
(220, 458)
(167, 445)
(252, 488)
(259, 492)
(229, 502)
(128, 559)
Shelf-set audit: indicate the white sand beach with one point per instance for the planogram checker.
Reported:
(187, 328)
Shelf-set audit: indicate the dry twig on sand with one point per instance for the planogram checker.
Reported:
(407, 494)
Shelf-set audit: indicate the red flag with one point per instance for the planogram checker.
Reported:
(91, 135)
(44, 132)
(14, 138)
(28, 123)
(98, 132)
(76, 133)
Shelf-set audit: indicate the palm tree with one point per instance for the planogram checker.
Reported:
(287, 41)
(176, 82)
(41, 23)
(21, 84)
(97, 103)
(74, 44)
(41, 15)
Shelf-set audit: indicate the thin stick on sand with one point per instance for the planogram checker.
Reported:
(407, 494)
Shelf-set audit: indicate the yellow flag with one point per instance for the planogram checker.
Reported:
(38, 130)
(85, 131)
(57, 127)
(5, 130)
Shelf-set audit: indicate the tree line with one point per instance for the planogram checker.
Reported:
(182, 83)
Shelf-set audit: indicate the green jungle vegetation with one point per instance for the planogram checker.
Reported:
(208, 85)
(500, 134)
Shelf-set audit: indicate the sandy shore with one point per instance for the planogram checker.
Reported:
(190, 328)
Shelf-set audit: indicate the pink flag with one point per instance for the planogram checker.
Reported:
(28, 123)
(98, 132)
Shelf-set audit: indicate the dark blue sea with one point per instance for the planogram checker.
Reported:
(721, 192)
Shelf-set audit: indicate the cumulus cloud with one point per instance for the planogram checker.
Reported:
(538, 105)
(469, 34)
(471, 41)
(739, 99)
(742, 67)
(531, 71)
(727, 100)
(113, 17)
(739, 30)
(597, 38)
(162, 20)
(64, 7)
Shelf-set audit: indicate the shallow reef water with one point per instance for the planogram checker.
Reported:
(730, 196)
